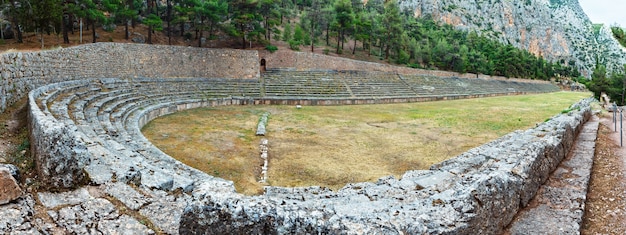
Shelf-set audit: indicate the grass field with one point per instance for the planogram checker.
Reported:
(334, 145)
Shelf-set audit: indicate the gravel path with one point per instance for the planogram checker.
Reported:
(606, 198)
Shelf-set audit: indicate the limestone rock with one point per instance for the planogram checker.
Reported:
(15, 172)
(59, 154)
(52, 200)
(557, 30)
(124, 225)
(17, 218)
(127, 195)
(165, 212)
(138, 38)
(9, 189)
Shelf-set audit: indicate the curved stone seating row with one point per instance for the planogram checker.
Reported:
(101, 120)
(362, 84)
(88, 131)
(284, 83)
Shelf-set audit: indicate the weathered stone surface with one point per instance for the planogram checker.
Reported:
(138, 38)
(59, 155)
(17, 218)
(52, 200)
(165, 211)
(560, 202)
(260, 129)
(132, 176)
(96, 216)
(127, 195)
(9, 189)
(125, 225)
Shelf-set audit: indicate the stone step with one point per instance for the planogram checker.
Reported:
(559, 205)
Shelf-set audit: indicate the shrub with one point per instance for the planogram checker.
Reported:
(271, 48)
(294, 45)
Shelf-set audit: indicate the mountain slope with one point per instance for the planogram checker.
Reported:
(558, 30)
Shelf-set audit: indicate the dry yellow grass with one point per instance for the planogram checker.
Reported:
(334, 145)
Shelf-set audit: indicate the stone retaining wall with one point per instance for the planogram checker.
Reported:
(24, 71)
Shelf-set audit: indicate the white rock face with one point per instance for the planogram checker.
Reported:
(555, 29)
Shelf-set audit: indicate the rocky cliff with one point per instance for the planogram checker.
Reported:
(558, 30)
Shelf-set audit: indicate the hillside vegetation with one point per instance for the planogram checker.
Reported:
(380, 29)
(558, 30)
(618, 33)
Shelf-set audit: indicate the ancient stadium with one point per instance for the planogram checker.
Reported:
(87, 105)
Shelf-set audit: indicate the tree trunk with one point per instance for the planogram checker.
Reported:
(338, 40)
(200, 38)
(327, 35)
(126, 33)
(354, 33)
(15, 22)
(342, 37)
(150, 35)
(66, 38)
(387, 47)
(243, 36)
(623, 89)
(130, 5)
(93, 30)
(211, 30)
(269, 35)
(267, 29)
(149, 6)
(169, 19)
(312, 39)
(70, 23)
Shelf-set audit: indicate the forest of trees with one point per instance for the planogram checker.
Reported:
(378, 28)
(614, 85)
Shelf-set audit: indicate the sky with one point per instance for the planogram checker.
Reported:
(605, 11)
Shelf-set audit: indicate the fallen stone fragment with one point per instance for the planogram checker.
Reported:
(9, 189)
(15, 172)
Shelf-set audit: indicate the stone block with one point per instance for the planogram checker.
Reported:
(9, 188)
(127, 195)
(52, 200)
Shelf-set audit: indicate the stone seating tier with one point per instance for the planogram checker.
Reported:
(89, 131)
